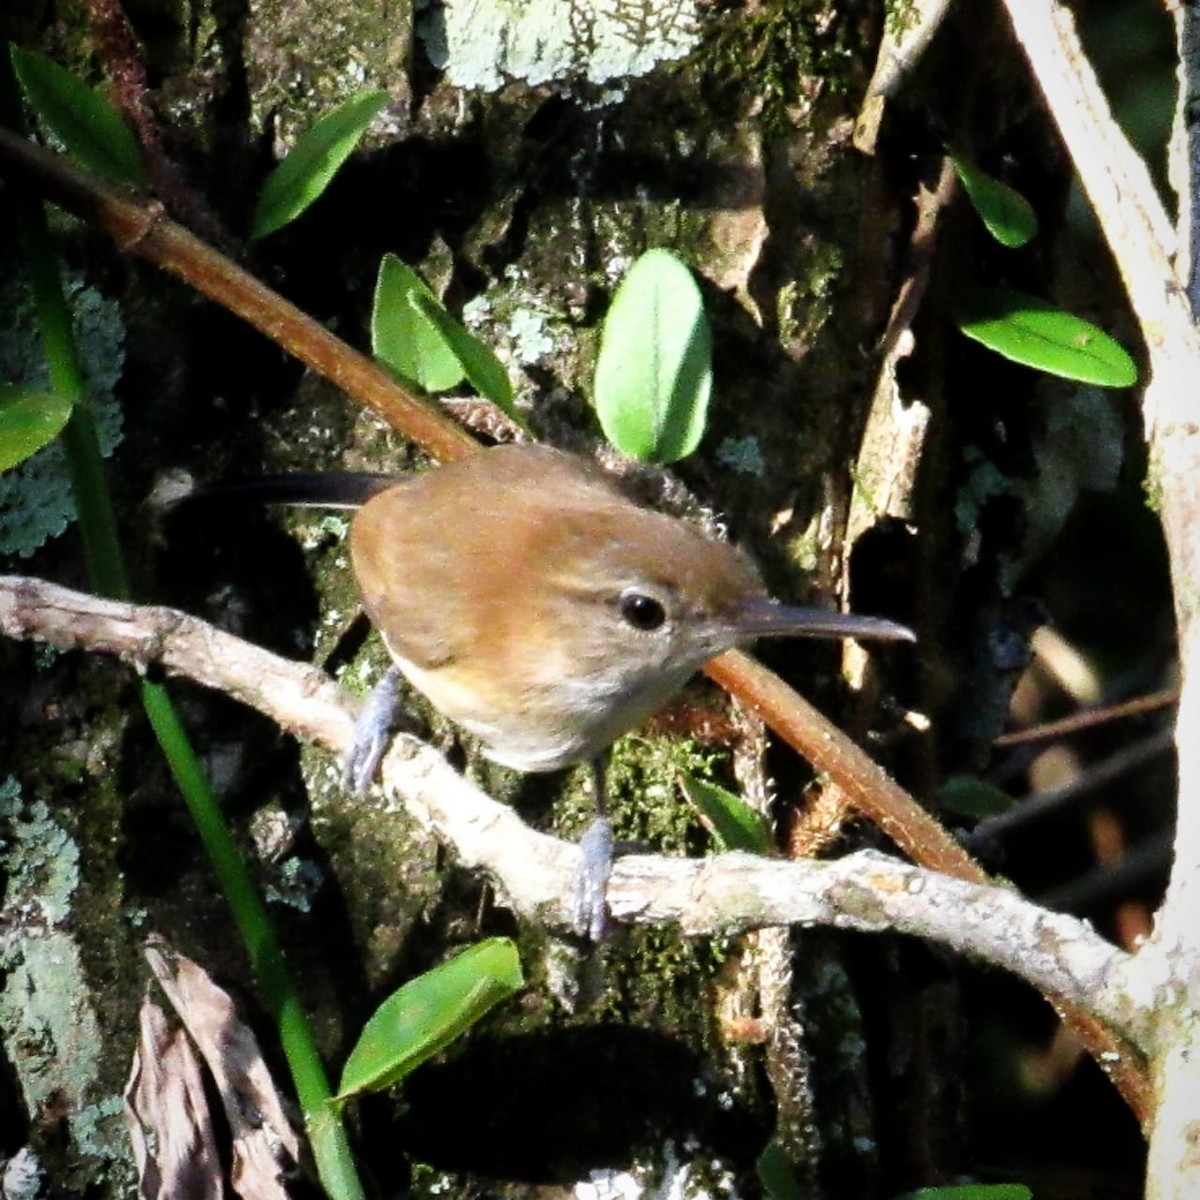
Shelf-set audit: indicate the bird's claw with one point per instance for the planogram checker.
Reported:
(372, 734)
(597, 851)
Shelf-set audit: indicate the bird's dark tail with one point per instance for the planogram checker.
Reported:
(317, 489)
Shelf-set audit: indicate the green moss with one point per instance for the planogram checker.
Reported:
(643, 789)
(775, 52)
(805, 305)
(899, 16)
(652, 975)
(1152, 488)
(385, 864)
(803, 549)
(304, 60)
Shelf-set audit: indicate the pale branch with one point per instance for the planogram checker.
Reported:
(299, 697)
(728, 893)
(1117, 181)
(1143, 244)
(1154, 264)
(1059, 955)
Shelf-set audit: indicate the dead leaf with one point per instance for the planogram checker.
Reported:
(167, 1115)
(265, 1147)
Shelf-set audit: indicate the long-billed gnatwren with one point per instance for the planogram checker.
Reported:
(546, 613)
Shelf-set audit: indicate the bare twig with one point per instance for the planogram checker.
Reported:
(1089, 718)
(719, 895)
(907, 33)
(1086, 784)
(139, 227)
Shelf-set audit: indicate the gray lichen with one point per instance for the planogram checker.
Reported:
(35, 498)
(485, 43)
(49, 1029)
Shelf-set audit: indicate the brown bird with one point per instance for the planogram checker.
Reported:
(545, 612)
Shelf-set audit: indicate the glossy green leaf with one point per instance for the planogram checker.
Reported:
(654, 371)
(776, 1174)
(313, 161)
(1008, 216)
(483, 370)
(1032, 331)
(968, 796)
(972, 1191)
(734, 824)
(403, 338)
(86, 122)
(29, 420)
(426, 1014)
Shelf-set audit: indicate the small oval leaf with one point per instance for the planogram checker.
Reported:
(1035, 333)
(85, 121)
(402, 336)
(483, 370)
(654, 371)
(429, 1012)
(314, 160)
(29, 420)
(734, 824)
(1007, 215)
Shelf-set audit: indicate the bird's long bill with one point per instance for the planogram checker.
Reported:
(765, 618)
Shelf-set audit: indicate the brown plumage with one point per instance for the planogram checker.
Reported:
(544, 611)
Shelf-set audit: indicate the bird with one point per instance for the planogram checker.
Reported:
(542, 610)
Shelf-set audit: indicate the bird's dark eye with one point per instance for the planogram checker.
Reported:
(642, 611)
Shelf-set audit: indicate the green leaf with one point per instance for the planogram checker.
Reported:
(1032, 331)
(403, 338)
(776, 1175)
(1008, 216)
(314, 160)
(414, 336)
(484, 371)
(29, 420)
(654, 371)
(85, 121)
(972, 1191)
(734, 824)
(967, 796)
(429, 1012)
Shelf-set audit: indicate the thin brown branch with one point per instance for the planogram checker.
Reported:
(830, 751)
(1089, 718)
(1079, 789)
(141, 228)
